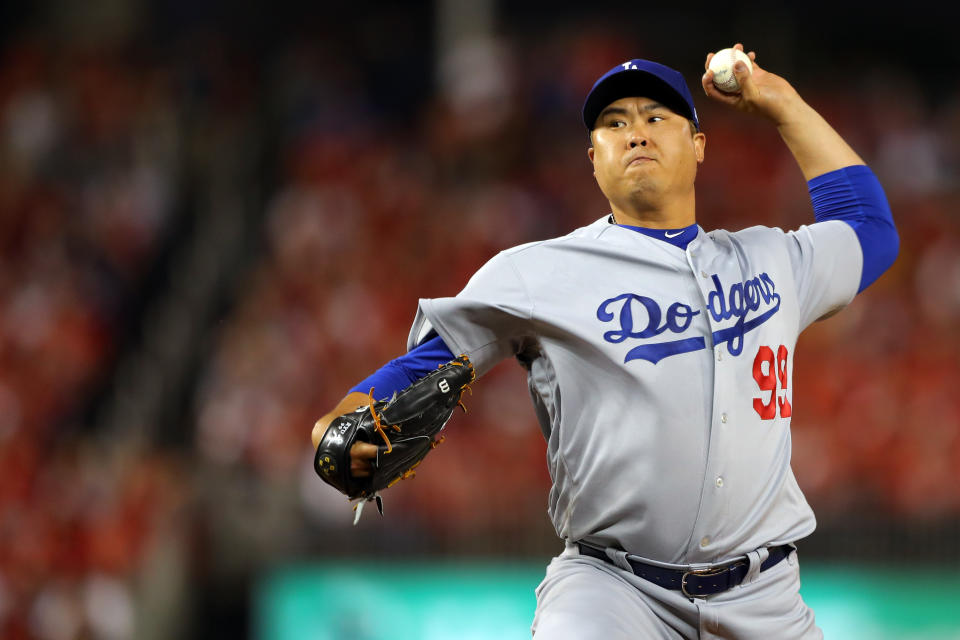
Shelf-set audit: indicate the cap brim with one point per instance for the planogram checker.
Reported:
(632, 84)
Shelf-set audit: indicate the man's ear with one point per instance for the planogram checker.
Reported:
(590, 154)
(700, 144)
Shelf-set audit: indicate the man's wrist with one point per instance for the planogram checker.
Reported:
(794, 113)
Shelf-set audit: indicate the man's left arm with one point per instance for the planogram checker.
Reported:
(841, 186)
(815, 145)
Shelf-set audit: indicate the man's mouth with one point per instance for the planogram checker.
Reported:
(639, 160)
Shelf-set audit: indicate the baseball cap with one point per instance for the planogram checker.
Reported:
(640, 78)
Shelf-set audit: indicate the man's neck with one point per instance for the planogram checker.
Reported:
(678, 214)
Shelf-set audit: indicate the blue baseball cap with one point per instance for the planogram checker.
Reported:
(640, 78)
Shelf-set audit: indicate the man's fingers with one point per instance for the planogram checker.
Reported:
(711, 90)
(363, 450)
(707, 81)
(360, 467)
(359, 471)
(361, 453)
(748, 88)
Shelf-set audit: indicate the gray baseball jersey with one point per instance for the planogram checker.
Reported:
(661, 378)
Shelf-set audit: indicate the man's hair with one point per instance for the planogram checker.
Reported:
(693, 131)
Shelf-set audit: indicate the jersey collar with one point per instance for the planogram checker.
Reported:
(679, 238)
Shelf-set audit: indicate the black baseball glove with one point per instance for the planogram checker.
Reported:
(404, 427)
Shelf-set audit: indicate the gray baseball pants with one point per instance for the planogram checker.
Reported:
(583, 598)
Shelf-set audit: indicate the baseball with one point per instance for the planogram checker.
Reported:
(722, 66)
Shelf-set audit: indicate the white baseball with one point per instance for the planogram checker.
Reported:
(722, 66)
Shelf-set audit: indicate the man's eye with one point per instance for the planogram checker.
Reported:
(616, 124)
(655, 118)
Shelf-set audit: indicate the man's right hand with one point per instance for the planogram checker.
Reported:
(361, 453)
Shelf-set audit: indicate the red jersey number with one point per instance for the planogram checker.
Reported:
(767, 372)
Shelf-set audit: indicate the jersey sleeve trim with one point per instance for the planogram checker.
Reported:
(854, 195)
(399, 373)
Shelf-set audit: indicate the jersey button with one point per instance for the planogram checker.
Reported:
(719, 353)
(704, 541)
(723, 418)
(704, 274)
(719, 481)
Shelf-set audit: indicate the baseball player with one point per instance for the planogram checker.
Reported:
(659, 359)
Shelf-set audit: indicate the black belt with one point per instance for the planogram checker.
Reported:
(695, 582)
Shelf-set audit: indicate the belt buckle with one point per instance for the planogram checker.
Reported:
(699, 572)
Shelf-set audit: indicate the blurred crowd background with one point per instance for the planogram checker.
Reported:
(216, 219)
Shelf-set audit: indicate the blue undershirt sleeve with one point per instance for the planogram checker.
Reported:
(400, 372)
(854, 195)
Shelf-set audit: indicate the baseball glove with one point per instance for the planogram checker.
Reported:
(404, 427)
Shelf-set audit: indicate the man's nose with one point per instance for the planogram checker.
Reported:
(638, 137)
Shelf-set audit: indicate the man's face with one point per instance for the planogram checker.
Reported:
(642, 151)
